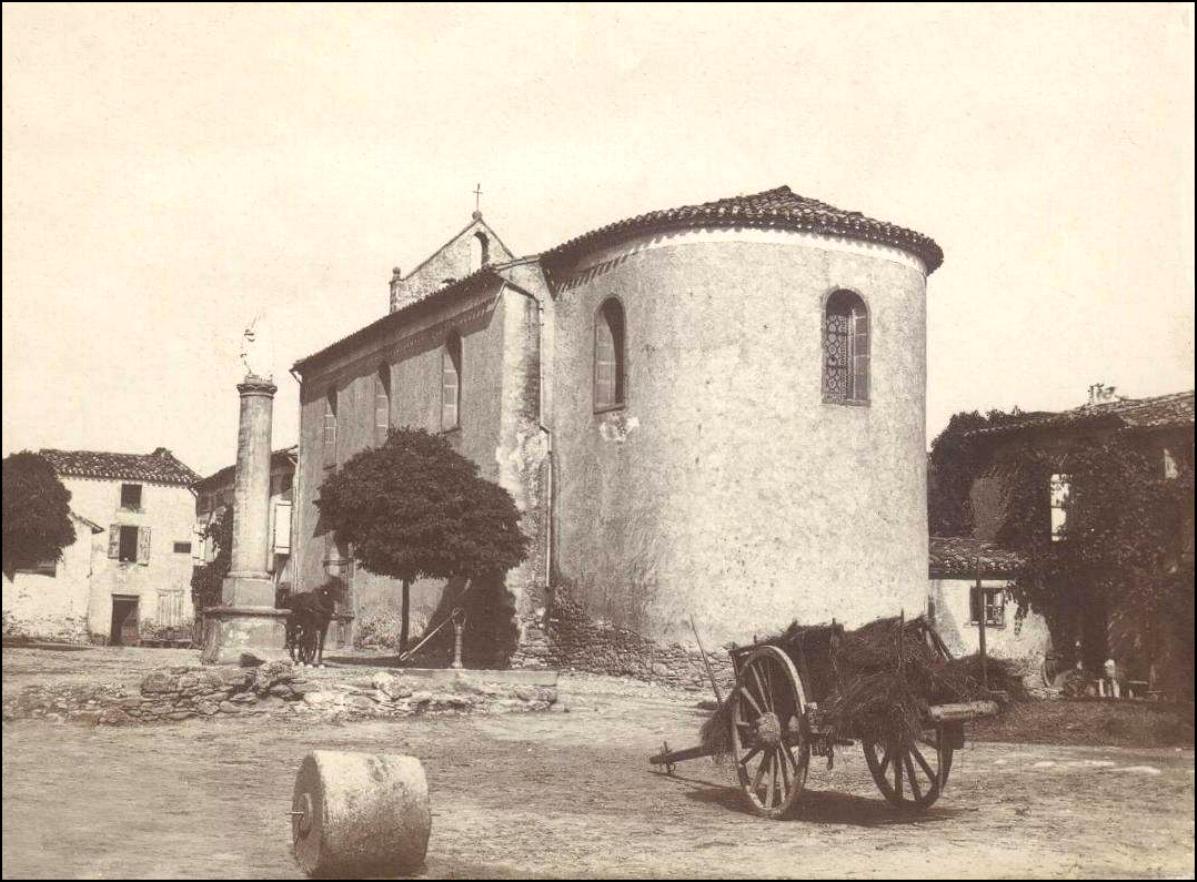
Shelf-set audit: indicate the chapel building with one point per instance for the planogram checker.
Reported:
(713, 411)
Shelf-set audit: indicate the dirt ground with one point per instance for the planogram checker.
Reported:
(565, 794)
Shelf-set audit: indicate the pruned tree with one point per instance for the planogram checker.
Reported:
(414, 508)
(37, 513)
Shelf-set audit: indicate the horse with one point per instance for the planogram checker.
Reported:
(308, 621)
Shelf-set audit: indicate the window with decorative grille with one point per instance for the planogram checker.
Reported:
(451, 383)
(845, 349)
(609, 356)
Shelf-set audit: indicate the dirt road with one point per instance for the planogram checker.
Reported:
(571, 794)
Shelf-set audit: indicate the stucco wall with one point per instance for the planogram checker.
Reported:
(169, 512)
(55, 607)
(498, 405)
(454, 260)
(1025, 639)
(726, 488)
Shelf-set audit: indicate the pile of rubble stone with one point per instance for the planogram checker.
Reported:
(179, 694)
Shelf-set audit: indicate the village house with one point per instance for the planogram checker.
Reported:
(713, 411)
(214, 494)
(969, 582)
(127, 575)
(1161, 426)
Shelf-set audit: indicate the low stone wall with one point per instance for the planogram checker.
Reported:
(565, 637)
(178, 694)
(46, 629)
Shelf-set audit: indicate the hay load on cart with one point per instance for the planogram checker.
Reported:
(892, 685)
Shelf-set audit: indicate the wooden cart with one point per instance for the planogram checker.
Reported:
(776, 726)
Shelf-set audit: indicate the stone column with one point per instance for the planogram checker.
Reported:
(246, 622)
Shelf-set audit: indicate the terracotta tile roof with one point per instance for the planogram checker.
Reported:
(282, 456)
(954, 557)
(1162, 411)
(780, 207)
(159, 467)
(489, 272)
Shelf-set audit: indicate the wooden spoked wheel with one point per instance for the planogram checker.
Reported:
(768, 732)
(911, 774)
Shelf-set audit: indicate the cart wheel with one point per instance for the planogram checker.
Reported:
(911, 775)
(768, 732)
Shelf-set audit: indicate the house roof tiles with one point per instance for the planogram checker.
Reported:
(1161, 411)
(956, 557)
(159, 467)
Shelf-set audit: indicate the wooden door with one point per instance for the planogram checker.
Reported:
(124, 621)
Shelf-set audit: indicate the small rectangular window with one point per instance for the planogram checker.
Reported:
(994, 606)
(182, 548)
(128, 546)
(131, 497)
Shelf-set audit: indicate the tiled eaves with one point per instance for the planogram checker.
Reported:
(779, 208)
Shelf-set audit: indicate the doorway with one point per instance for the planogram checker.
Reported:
(124, 621)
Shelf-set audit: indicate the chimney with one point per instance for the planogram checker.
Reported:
(396, 287)
(1100, 393)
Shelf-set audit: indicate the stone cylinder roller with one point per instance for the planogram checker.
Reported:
(356, 814)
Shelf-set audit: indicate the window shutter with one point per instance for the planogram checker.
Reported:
(860, 355)
(974, 604)
(143, 546)
(114, 541)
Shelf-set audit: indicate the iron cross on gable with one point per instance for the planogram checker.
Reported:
(478, 197)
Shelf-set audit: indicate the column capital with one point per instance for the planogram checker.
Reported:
(255, 385)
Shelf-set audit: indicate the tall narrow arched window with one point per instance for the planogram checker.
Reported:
(329, 439)
(479, 251)
(845, 349)
(382, 404)
(609, 356)
(451, 383)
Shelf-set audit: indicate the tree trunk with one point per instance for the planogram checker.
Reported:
(405, 609)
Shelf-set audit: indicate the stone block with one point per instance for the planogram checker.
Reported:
(159, 683)
(113, 716)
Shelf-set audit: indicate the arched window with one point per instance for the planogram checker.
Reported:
(330, 429)
(451, 383)
(382, 404)
(479, 251)
(608, 356)
(845, 349)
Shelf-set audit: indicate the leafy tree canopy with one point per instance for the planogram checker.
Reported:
(955, 462)
(1123, 538)
(37, 522)
(414, 508)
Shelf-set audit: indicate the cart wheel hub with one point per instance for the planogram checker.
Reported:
(768, 729)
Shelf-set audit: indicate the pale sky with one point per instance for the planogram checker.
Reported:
(171, 171)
